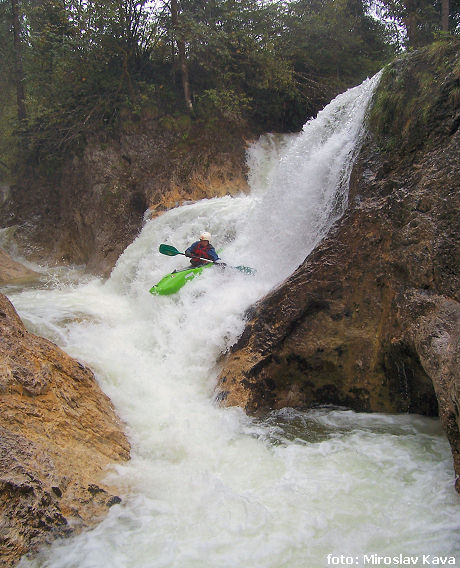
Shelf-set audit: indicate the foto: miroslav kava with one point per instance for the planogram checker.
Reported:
(424, 560)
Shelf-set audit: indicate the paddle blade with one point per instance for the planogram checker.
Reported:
(169, 250)
(245, 269)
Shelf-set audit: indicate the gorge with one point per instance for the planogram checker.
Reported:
(353, 311)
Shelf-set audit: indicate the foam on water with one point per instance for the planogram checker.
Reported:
(209, 487)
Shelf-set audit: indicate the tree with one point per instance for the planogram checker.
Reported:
(19, 70)
(179, 38)
(445, 16)
(333, 44)
(421, 19)
(91, 64)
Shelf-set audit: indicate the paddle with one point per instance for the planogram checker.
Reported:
(172, 251)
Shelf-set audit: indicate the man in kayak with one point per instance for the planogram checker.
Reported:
(202, 249)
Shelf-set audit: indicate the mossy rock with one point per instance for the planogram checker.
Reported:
(414, 92)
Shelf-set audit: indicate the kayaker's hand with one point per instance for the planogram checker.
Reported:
(219, 263)
(187, 254)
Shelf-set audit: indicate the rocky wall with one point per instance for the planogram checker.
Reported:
(88, 208)
(59, 435)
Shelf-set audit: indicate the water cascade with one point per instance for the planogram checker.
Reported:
(209, 487)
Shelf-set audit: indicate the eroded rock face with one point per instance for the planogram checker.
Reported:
(91, 208)
(370, 320)
(58, 435)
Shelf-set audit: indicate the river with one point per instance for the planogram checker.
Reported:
(209, 487)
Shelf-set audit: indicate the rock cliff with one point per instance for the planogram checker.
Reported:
(371, 319)
(87, 209)
(58, 435)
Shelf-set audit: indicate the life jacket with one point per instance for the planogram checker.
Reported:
(202, 250)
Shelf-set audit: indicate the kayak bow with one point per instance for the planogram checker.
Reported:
(173, 282)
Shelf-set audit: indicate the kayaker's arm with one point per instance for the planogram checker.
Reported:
(213, 254)
(191, 255)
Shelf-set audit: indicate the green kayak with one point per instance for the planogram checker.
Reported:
(173, 282)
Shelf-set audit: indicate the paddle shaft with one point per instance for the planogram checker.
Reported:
(196, 257)
(169, 250)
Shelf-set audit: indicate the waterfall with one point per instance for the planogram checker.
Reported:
(306, 188)
(209, 487)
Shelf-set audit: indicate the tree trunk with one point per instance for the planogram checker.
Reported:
(18, 61)
(182, 57)
(445, 16)
(411, 22)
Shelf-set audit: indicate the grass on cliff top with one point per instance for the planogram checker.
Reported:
(416, 91)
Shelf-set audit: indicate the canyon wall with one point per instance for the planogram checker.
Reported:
(89, 208)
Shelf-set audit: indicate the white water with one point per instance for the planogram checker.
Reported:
(209, 487)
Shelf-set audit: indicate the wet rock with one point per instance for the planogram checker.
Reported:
(58, 436)
(14, 272)
(370, 320)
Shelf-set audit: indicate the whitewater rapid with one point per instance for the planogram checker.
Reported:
(209, 487)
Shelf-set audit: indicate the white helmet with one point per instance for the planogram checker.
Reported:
(205, 236)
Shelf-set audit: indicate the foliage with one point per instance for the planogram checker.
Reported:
(89, 64)
(405, 110)
(332, 47)
(416, 23)
(225, 104)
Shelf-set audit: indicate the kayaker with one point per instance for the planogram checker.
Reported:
(201, 249)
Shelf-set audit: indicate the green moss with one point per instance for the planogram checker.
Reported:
(413, 90)
(180, 123)
(439, 51)
(454, 96)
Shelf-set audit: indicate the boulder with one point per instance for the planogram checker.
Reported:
(59, 434)
(91, 207)
(12, 272)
